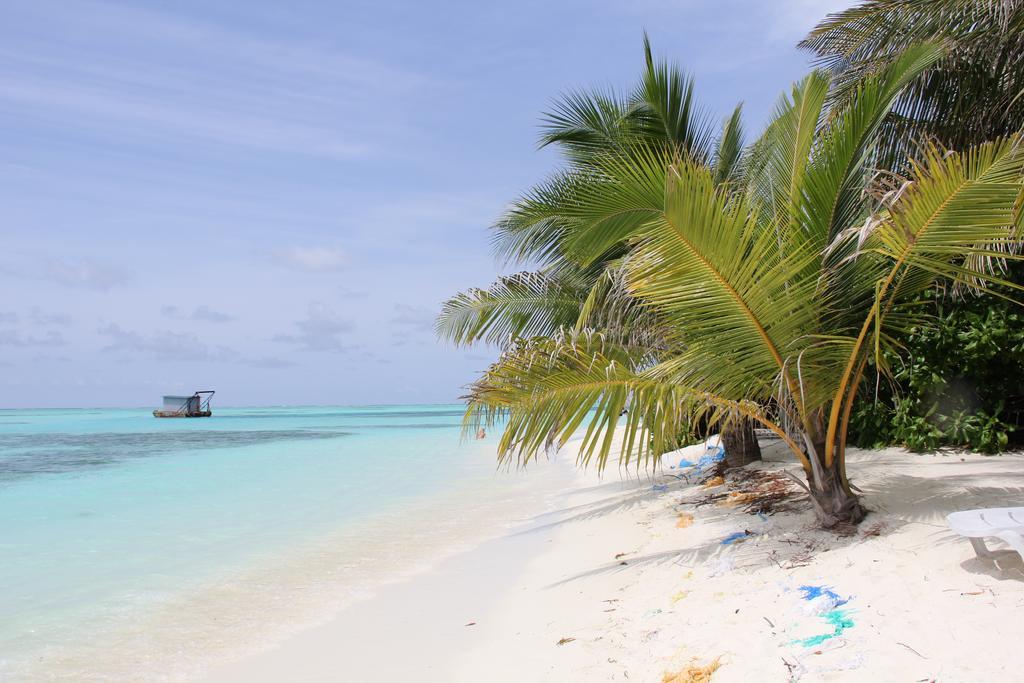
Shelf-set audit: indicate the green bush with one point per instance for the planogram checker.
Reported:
(959, 382)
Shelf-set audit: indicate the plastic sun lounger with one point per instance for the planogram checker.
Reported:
(1006, 524)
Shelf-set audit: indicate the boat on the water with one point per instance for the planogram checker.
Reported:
(196, 405)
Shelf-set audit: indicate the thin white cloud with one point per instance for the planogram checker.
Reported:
(321, 330)
(16, 339)
(414, 318)
(349, 293)
(201, 313)
(207, 314)
(163, 345)
(269, 363)
(38, 316)
(312, 259)
(50, 358)
(85, 274)
(237, 128)
(166, 29)
(269, 94)
(73, 273)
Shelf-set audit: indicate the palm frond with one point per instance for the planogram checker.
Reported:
(707, 268)
(887, 27)
(548, 390)
(622, 192)
(626, 320)
(726, 162)
(666, 111)
(583, 124)
(958, 205)
(530, 230)
(778, 159)
(967, 97)
(839, 170)
(524, 304)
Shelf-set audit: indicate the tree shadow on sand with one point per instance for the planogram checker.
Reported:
(913, 499)
(616, 497)
(896, 494)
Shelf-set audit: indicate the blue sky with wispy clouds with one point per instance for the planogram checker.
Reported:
(272, 199)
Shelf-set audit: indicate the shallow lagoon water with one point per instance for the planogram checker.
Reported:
(114, 521)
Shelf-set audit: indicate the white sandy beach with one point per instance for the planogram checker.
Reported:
(616, 585)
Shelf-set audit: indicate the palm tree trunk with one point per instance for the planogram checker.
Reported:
(740, 443)
(833, 501)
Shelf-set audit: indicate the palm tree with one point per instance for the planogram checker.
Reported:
(774, 299)
(973, 93)
(573, 290)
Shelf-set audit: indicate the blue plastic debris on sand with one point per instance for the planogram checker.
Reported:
(825, 603)
(838, 619)
(815, 592)
(712, 456)
(732, 538)
(660, 487)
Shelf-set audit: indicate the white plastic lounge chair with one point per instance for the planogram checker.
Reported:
(1003, 523)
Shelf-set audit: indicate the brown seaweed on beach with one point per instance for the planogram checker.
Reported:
(756, 492)
(734, 498)
(765, 492)
(692, 673)
(714, 481)
(685, 520)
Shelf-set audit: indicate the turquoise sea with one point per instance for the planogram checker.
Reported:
(142, 535)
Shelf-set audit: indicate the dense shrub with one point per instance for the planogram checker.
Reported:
(959, 382)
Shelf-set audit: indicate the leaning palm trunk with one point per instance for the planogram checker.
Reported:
(740, 443)
(833, 501)
(831, 495)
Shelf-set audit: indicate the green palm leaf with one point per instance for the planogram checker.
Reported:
(524, 304)
(708, 269)
(665, 110)
(969, 96)
(548, 390)
(779, 157)
(729, 152)
(838, 171)
(583, 124)
(958, 205)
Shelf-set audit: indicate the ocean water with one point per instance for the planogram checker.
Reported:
(135, 547)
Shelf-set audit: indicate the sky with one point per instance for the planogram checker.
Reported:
(273, 199)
